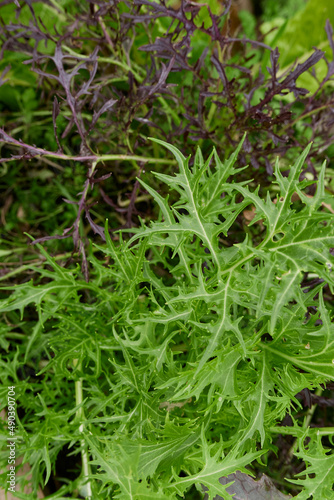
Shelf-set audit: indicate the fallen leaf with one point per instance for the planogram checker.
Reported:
(246, 488)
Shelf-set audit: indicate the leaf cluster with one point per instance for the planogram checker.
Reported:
(185, 352)
(80, 96)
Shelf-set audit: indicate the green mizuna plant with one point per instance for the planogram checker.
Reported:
(177, 363)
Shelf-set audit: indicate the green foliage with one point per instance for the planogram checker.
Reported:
(280, 8)
(305, 30)
(177, 363)
(299, 33)
(320, 464)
